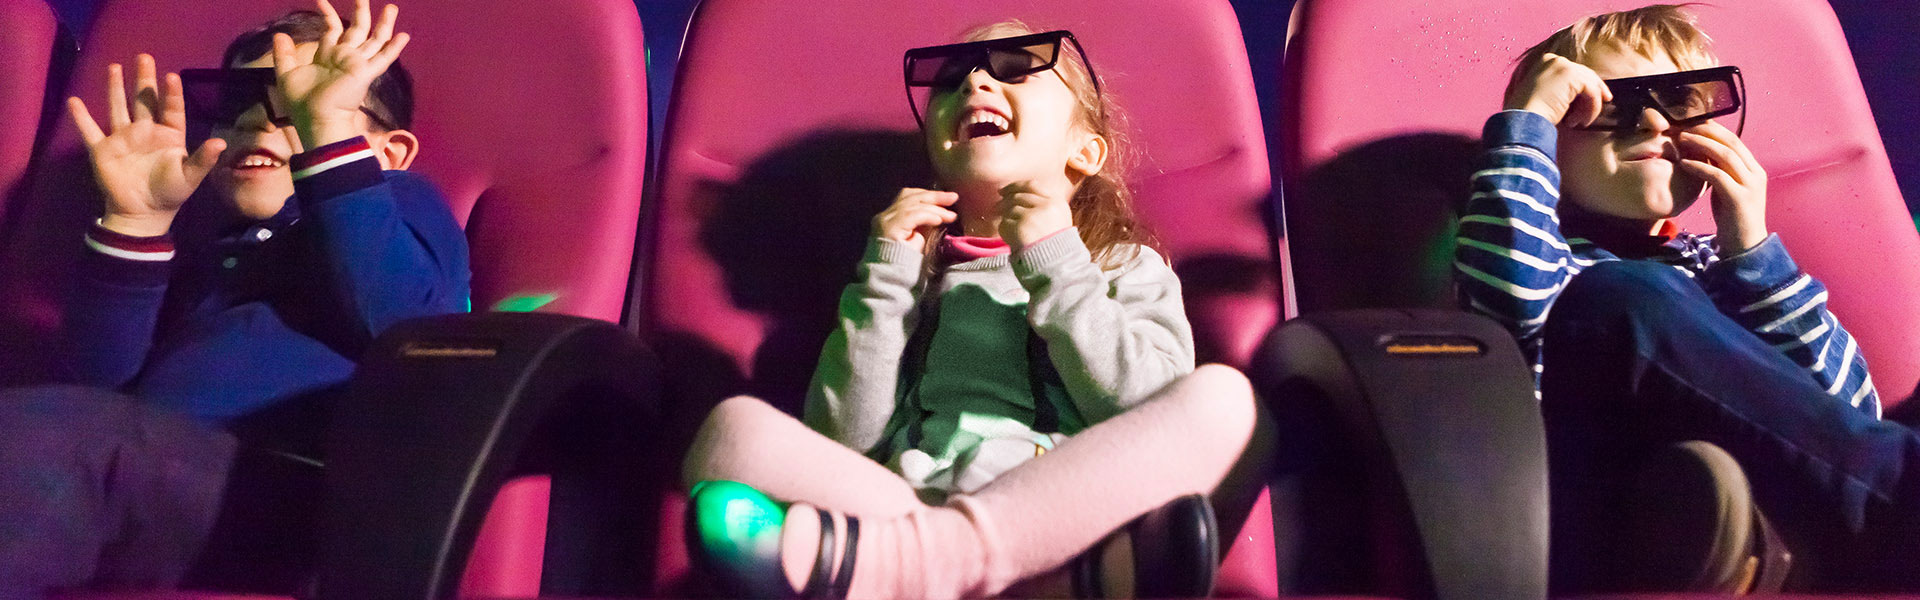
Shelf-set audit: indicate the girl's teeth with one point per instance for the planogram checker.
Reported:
(987, 117)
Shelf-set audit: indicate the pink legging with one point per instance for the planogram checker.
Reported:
(1202, 434)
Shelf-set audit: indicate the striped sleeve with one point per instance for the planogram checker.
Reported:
(112, 310)
(158, 248)
(1510, 259)
(335, 169)
(1764, 291)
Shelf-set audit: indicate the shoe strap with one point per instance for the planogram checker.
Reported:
(844, 581)
(823, 564)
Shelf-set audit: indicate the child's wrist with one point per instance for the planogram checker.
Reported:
(317, 132)
(154, 225)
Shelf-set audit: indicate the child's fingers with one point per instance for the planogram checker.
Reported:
(934, 214)
(146, 88)
(362, 23)
(283, 60)
(911, 196)
(203, 160)
(83, 120)
(173, 103)
(391, 52)
(1720, 179)
(1721, 134)
(334, 27)
(1717, 153)
(938, 197)
(383, 31)
(1022, 200)
(117, 98)
(1590, 98)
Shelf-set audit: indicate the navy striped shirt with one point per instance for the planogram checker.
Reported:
(1512, 261)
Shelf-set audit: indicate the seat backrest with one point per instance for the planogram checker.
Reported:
(532, 119)
(789, 129)
(27, 33)
(1387, 104)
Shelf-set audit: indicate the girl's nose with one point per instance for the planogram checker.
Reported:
(979, 80)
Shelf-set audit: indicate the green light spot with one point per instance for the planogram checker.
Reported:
(524, 302)
(737, 524)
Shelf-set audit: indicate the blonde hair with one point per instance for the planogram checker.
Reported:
(1103, 205)
(1650, 30)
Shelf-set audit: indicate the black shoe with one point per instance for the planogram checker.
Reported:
(733, 532)
(1176, 553)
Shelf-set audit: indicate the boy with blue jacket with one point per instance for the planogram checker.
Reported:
(245, 277)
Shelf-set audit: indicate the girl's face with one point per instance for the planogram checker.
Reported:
(987, 134)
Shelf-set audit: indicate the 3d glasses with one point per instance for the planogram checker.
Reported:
(1685, 98)
(1009, 60)
(218, 97)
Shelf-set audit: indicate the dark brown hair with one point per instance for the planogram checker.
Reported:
(390, 96)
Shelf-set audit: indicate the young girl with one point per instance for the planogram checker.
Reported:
(1015, 352)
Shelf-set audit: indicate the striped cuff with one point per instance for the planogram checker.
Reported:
(1754, 274)
(158, 248)
(335, 169)
(122, 260)
(1523, 128)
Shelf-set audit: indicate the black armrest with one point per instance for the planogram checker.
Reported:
(1419, 463)
(444, 409)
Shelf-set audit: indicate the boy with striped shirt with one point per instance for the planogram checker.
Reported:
(1644, 337)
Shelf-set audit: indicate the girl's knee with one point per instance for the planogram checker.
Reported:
(732, 422)
(1222, 394)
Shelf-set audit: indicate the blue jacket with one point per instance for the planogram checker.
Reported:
(267, 311)
(1512, 261)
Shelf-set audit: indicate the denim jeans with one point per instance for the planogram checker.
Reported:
(1636, 357)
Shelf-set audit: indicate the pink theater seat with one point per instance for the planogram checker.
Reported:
(27, 37)
(789, 129)
(532, 118)
(1386, 100)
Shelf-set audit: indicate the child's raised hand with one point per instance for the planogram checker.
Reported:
(1032, 210)
(1715, 154)
(143, 166)
(323, 97)
(1565, 92)
(914, 213)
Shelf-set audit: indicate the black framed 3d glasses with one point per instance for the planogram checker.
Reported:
(1685, 99)
(218, 97)
(1009, 60)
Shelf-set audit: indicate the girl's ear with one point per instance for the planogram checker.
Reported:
(1090, 157)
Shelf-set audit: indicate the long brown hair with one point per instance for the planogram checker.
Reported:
(1103, 204)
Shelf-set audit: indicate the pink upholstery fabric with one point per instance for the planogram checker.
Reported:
(790, 118)
(27, 30)
(1386, 102)
(532, 118)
